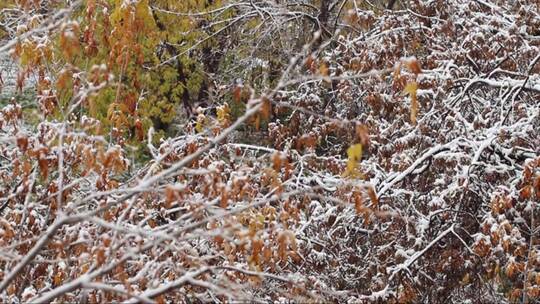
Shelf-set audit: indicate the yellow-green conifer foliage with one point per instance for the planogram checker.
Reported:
(4, 4)
(125, 41)
(179, 77)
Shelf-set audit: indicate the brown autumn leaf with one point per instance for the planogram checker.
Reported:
(100, 256)
(266, 109)
(237, 93)
(43, 164)
(362, 132)
(309, 63)
(58, 277)
(22, 142)
(525, 192)
(224, 199)
(276, 161)
(413, 65)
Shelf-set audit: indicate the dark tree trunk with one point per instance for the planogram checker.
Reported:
(391, 4)
(324, 13)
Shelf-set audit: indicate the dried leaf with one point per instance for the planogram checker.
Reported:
(412, 89)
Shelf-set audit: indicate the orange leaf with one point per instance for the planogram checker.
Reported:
(413, 65)
(100, 256)
(266, 108)
(58, 278)
(237, 93)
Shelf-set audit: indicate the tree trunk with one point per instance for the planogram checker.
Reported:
(391, 4)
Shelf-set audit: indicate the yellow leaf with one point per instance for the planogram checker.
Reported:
(412, 89)
(223, 115)
(201, 122)
(323, 69)
(354, 154)
(28, 54)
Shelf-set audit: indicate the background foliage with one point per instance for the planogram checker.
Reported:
(217, 151)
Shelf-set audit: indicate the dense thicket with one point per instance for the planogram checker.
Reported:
(315, 150)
